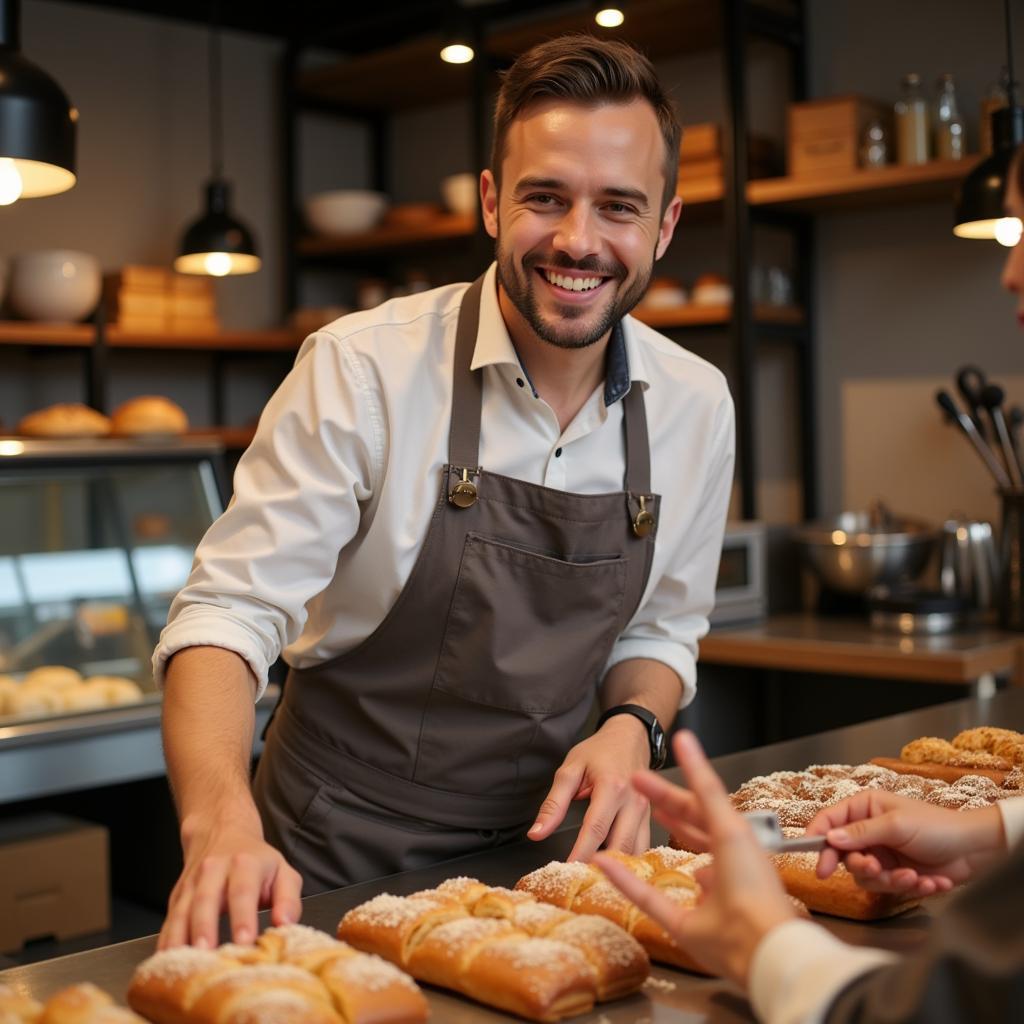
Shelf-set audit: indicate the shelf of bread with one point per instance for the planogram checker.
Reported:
(411, 74)
(879, 186)
(705, 316)
(443, 227)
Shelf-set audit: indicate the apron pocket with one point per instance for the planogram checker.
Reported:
(527, 632)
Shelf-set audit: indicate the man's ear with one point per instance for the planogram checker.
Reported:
(489, 202)
(666, 229)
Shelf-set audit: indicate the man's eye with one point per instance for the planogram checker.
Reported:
(542, 199)
(620, 208)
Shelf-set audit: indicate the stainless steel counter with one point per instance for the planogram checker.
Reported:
(677, 997)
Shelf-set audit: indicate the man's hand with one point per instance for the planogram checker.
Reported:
(891, 843)
(228, 866)
(742, 899)
(600, 767)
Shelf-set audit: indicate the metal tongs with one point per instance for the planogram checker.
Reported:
(768, 833)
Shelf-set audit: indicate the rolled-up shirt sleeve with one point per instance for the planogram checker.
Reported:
(299, 490)
(671, 621)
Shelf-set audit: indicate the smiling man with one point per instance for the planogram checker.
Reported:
(465, 514)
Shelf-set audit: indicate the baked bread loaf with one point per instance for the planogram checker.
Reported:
(291, 975)
(500, 947)
(797, 797)
(64, 420)
(582, 888)
(148, 415)
(8, 688)
(52, 677)
(984, 750)
(78, 1004)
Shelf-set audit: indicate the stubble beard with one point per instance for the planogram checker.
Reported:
(518, 283)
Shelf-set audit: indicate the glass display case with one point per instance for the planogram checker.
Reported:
(96, 538)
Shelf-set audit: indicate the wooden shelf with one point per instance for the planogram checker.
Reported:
(705, 316)
(862, 188)
(18, 332)
(450, 227)
(234, 438)
(282, 340)
(412, 74)
(15, 332)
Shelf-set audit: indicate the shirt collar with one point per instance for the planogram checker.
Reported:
(623, 361)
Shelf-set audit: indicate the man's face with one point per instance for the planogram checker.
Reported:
(578, 222)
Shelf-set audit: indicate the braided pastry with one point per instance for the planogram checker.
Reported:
(500, 947)
(292, 975)
(78, 1004)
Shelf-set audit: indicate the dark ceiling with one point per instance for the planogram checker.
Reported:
(350, 27)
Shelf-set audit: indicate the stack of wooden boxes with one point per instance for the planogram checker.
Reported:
(824, 136)
(155, 300)
(701, 156)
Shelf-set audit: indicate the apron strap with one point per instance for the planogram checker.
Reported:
(467, 401)
(467, 397)
(638, 452)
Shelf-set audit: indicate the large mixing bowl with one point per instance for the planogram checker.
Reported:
(345, 211)
(59, 285)
(855, 552)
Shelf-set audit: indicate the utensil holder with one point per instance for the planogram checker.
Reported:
(1011, 562)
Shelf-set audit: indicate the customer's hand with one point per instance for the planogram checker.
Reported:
(894, 844)
(228, 866)
(742, 898)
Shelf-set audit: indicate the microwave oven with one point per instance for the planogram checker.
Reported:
(741, 592)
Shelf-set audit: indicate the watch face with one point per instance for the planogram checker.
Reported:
(660, 748)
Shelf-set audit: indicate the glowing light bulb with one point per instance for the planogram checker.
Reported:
(10, 181)
(218, 264)
(457, 53)
(1008, 231)
(609, 17)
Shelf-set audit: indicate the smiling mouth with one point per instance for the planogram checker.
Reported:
(568, 283)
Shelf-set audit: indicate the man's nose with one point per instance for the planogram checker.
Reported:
(577, 234)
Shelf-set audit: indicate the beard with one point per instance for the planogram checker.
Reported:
(574, 327)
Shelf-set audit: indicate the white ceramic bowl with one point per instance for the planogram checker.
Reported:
(345, 211)
(57, 285)
(459, 192)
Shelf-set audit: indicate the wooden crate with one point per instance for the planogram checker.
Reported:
(824, 136)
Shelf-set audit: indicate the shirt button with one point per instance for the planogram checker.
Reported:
(520, 382)
(558, 453)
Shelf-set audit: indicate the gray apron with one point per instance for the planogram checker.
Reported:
(439, 734)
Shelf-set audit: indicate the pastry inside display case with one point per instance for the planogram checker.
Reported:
(97, 539)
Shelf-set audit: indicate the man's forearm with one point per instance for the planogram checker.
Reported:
(644, 681)
(208, 725)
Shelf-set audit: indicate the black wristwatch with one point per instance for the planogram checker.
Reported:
(655, 733)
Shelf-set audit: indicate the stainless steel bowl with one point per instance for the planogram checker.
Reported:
(858, 550)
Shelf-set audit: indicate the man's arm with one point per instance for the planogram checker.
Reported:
(208, 724)
(600, 766)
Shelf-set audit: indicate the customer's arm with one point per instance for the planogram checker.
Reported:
(208, 723)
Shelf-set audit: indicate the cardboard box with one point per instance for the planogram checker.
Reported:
(824, 136)
(54, 879)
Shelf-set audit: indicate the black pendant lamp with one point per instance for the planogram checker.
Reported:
(37, 121)
(979, 211)
(217, 244)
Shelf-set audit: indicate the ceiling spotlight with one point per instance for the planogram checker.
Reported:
(457, 53)
(609, 15)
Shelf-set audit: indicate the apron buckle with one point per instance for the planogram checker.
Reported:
(644, 522)
(464, 493)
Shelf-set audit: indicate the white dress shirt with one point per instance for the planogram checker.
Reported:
(799, 968)
(333, 498)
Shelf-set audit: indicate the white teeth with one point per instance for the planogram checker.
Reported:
(573, 284)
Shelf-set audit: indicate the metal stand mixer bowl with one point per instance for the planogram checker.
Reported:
(857, 551)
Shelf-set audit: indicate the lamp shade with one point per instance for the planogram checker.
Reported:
(37, 121)
(216, 243)
(980, 198)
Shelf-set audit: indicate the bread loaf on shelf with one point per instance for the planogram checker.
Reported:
(292, 974)
(77, 1004)
(64, 420)
(500, 947)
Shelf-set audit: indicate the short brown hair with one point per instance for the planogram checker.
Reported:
(584, 69)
